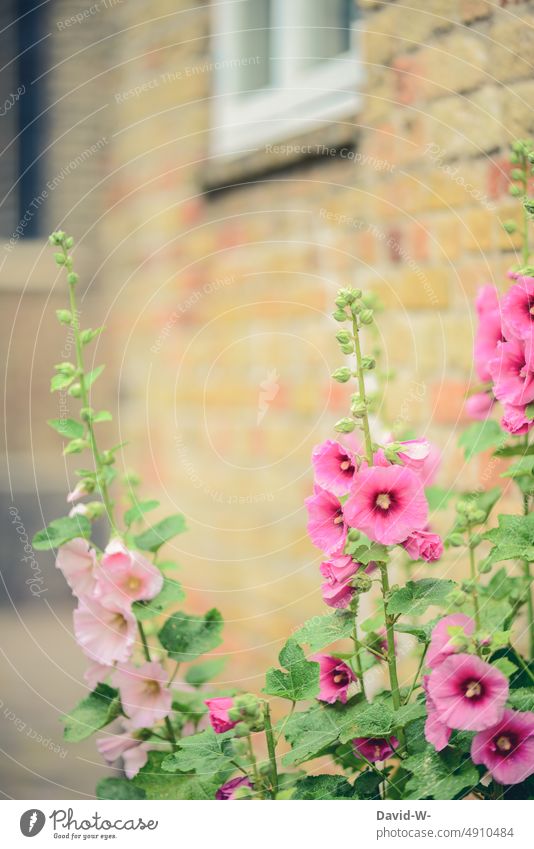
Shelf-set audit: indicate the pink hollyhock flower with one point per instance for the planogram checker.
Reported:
(335, 678)
(479, 405)
(104, 635)
(423, 545)
(375, 748)
(507, 749)
(387, 503)
(489, 331)
(436, 732)
(414, 452)
(132, 750)
(227, 791)
(468, 693)
(518, 308)
(96, 674)
(145, 698)
(326, 524)
(440, 647)
(77, 560)
(337, 590)
(126, 576)
(334, 466)
(218, 709)
(512, 372)
(514, 420)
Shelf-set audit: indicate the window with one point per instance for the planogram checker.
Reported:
(281, 67)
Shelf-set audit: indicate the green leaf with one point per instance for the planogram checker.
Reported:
(92, 376)
(524, 466)
(204, 673)
(436, 777)
(155, 537)
(367, 785)
(301, 681)
(69, 428)
(373, 720)
(421, 632)
(417, 596)
(75, 446)
(60, 381)
(313, 731)
(158, 784)
(480, 436)
(61, 531)
(203, 753)
(138, 511)
(505, 666)
(522, 699)
(98, 709)
(513, 539)
(370, 553)
(102, 416)
(118, 788)
(323, 787)
(171, 593)
(320, 631)
(186, 637)
(88, 335)
(438, 498)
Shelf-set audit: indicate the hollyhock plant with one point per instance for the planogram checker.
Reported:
(133, 750)
(507, 748)
(423, 545)
(228, 790)
(387, 503)
(467, 693)
(334, 466)
(335, 678)
(326, 523)
(489, 332)
(337, 589)
(145, 697)
(77, 561)
(375, 748)
(218, 714)
(413, 453)
(126, 576)
(512, 372)
(518, 308)
(106, 636)
(441, 643)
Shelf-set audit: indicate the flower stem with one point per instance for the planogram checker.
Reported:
(474, 577)
(391, 659)
(528, 590)
(146, 652)
(416, 677)
(252, 757)
(361, 387)
(270, 746)
(357, 655)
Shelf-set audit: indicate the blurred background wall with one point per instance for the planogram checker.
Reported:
(224, 168)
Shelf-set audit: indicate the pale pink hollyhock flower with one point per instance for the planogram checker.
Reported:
(338, 572)
(441, 647)
(96, 674)
(514, 420)
(489, 332)
(423, 545)
(335, 678)
(132, 750)
(77, 560)
(145, 698)
(334, 467)
(518, 308)
(79, 491)
(104, 635)
(468, 693)
(375, 748)
(326, 525)
(414, 452)
(512, 372)
(218, 710)
(126, 576)
(436, 732)
(507, 749)
(226, 791)
(387, 503)
(479, 405)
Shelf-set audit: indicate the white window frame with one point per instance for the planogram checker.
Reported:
(296, 103)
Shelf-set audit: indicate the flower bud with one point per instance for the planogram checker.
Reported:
(361, 582)
(348, 348)
(95, 509)
(60, 259)
(456, 540)
(510, 226)
(359, 408)
(340, 302)
(343, 337)
(69, 242)
(66, 368)
(345, 425)
(86, 413)
(354, 535)
(517, 174)
(107, 458)
(72, 278)
(64, 316)
(355, 294)
(241, 729)
(368, 362)
(515, 191)
(342, 375)
(75, 390)
(484, 566)
(366, 316)
(340, 315)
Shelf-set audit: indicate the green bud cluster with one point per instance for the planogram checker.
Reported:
(248, 714)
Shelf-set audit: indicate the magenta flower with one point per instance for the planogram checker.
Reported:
(337, 590)
(375, 748)
(145, 697)
(77, 560)
(515, 421)
(423, 545)
(479, 405)
(219, 718)
(326, 524)
(518, 308)
(468, 693)
(387, 503)
(512, 371)
(126, 576)
(132, 750)
(489, 332)
(507, 749)
(104, 635)
(335, 678)
(436, 732)
(440, 647)
(334, 466)
(227, 791)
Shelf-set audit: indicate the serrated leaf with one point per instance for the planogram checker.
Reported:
(480, 436)
(524, 466)
(505, 666)
(138, 511)
(312, 732)
(417, 596)
(185, 637)
(98, 709)
(513, 539)
(203, 753)
(437, 497)
(171, 593)
(320, 631)
(301, 681)
(153, 538)
(61, 531)
(204, 673)
(373, 720)
(118, 788)
(158, 784)
(69, 428)
(323, 787)
(438, 778)
(92, 376)
(366, 554)
(522, 699)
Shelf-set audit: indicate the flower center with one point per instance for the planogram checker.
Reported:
(346, 464)
(119, 621)
(383, 500)
(152, 688)
(503, 743)
(338, 518)
(531, 309)
(133, 583)
(378, 753)
(340, 678)
(473, 689)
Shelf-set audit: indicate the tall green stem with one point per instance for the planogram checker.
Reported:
(270, 746)
(357, 655)
(361, 387)
(528, 590)
(474, 578)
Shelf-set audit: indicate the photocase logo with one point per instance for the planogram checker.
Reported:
(32, 822)
(269, 389)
